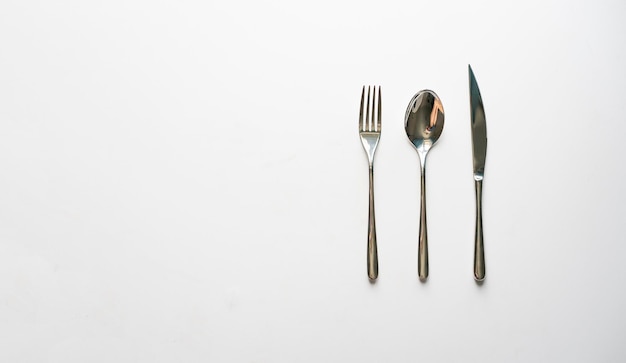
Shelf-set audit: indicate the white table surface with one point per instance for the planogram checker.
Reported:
(183, 181)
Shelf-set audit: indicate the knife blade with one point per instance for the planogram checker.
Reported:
(479, 153)
(479, 127)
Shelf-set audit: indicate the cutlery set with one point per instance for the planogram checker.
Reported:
(423, 124)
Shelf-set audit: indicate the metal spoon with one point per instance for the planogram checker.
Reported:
(423, 123)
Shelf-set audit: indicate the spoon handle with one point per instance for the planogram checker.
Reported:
(372, 250)
(422, 251)
(479, 248)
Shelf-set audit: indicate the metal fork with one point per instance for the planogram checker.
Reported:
(369, 130)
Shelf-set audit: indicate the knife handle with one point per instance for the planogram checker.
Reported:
(422, 249)
(372, 249)
(479, 248)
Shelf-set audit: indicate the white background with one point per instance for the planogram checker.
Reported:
(183, 182)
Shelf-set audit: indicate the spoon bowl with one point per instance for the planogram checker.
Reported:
(424, 120)
(423, 123)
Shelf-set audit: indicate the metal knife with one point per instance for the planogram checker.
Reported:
(479, 152)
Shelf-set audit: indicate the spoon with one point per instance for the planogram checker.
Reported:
(423, 123)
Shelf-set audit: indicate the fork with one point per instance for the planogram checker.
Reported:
(369, 131)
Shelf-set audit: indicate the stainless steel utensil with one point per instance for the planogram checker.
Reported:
(423, 124)
(369, 131)
(479, 152)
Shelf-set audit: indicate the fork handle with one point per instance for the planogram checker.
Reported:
(372, 249)
(422, 250)
(479, 248)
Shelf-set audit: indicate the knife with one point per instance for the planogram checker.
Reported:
(479, 152)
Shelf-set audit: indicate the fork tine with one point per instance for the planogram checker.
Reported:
(373, 108)
(380, 107)
(368, 120)
(361, 123)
